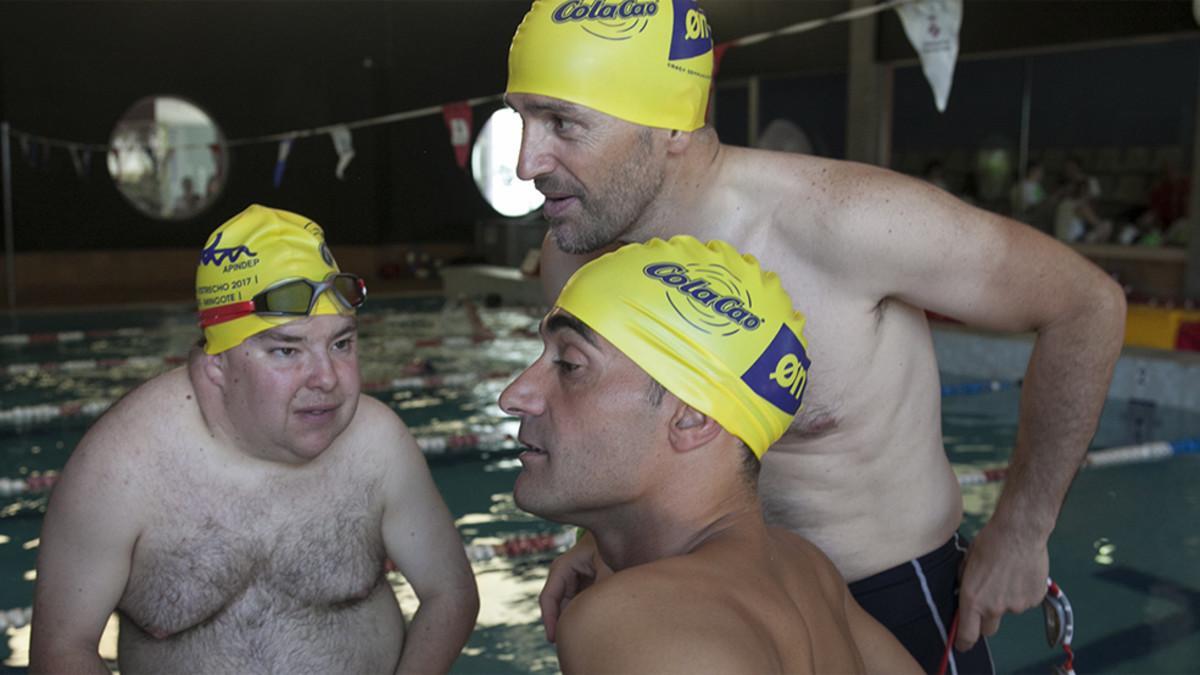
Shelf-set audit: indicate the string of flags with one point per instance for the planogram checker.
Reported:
(932, 27)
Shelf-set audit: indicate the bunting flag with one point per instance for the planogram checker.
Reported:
(81, 157)
(719, 53)
(932, 28)
(343, 143)
(458, 122)
(285, 148)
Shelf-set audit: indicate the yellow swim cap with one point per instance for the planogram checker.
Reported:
(706, 323)
(251, 251)
(645, 61)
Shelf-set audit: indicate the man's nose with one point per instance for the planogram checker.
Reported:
(521, 398)
(534, 158)
(322, 375)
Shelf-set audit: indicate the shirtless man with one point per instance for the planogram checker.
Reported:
(238, 512)
(614, 136)
(669, 369)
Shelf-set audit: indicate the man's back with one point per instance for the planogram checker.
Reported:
(747, 600)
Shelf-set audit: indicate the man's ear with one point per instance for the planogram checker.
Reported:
(691, 429)
(678, 141)
(216, 366)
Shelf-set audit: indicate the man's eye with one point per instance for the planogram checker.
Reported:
(561, 124)
(284, 351)
(343, 344)
(566, 366)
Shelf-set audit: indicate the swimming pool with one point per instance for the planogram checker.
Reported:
(1126, 549)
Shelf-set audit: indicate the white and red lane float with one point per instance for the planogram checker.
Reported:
(39, 482)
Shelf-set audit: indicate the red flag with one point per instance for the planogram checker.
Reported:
(458, 122)
(718, 54)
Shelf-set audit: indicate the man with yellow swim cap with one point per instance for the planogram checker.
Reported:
(669, 368)
(238, 512)
(612, 94)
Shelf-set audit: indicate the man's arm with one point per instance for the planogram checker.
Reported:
(420, 537)
(912, 242)
(84, 558)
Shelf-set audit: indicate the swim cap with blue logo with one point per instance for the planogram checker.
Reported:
(707, 323)
(644, 61)
(255, 249)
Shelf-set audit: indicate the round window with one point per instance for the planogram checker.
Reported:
(494, 165)
(167, 157)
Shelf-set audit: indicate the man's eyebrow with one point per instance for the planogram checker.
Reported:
(559, 321)
(280, 336)
(551, 106)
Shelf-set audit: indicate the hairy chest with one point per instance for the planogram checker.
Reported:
(212, 557)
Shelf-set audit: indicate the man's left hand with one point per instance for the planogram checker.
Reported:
(1003, 572)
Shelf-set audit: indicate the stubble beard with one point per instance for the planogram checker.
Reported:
(621, 199)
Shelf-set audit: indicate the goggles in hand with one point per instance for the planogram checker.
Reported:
(1060, 628)
(291, 297)
(1060, 625)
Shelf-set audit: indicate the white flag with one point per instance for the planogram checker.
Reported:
(82, 159)
(932, 28)
(344, 144)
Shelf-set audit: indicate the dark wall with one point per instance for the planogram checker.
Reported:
(70, 70)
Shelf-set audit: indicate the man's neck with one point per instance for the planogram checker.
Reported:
(680, 207)
(642, 538)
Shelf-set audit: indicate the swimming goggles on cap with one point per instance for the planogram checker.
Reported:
(291, 297)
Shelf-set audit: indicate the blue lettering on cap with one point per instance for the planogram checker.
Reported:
(704, 299)
(619, 20)
(780, 373)
(691, 35)
(214, 255)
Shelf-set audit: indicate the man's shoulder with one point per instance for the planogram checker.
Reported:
(163, 403)
(670, 586)
(657, 617)
(377, 430)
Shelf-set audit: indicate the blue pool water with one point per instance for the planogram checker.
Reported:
(1126, 549)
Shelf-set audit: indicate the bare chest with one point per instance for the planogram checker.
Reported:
(212, 557)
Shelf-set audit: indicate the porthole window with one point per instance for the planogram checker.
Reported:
(494, 166)
(168, 158)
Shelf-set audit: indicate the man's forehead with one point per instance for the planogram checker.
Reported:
(560, 320)
(537, 103)
(312, 327)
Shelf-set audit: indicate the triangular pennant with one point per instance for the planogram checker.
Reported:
(81, 158)
(458, 122)
(932, 28)
(285, 149)
(343, 143)
(719, 53)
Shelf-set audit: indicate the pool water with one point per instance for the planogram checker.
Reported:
(1126, 550)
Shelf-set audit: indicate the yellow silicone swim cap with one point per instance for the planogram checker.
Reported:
(645, 61)
(706, 323)
(251, 251)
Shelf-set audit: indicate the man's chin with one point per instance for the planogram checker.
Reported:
(565, 233)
